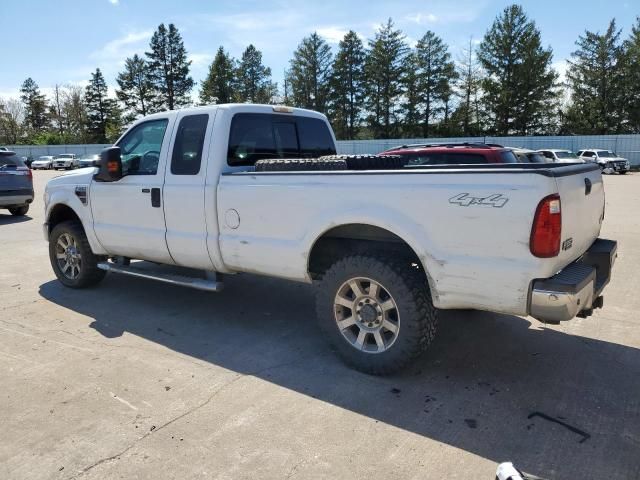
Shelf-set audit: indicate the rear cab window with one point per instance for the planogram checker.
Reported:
(187, 149)
(258, 136)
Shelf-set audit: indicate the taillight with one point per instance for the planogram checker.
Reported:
(547, 228)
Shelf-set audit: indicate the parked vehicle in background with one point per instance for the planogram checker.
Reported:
(44, 162)
(608, 160)
(65, 161)
(453, 154)
(226, 189)
(558, 155)
(88, 160)
(525, 155)
(4, 149)
(16, 183)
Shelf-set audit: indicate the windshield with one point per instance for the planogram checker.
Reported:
(566, 154)
(65, 155)
(10, 161)
(536, 157)
(44, 158)
(606, 154)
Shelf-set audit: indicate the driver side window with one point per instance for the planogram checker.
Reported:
(141, 148)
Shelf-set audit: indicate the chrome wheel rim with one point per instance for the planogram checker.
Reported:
(68, 256)
(366, 315)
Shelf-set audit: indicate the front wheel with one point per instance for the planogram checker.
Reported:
(376, 311)
(71, 257)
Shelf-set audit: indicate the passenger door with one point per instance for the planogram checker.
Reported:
(184, 191)
(128, 218)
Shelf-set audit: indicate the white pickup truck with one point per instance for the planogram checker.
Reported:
(239, 188)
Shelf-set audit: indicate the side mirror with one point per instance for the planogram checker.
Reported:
(110, 165)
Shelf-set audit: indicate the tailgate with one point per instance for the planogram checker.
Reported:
(14, 179)
(582, 203)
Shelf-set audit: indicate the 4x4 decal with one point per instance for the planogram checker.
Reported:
(464, 200)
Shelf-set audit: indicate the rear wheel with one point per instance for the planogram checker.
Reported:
(19, 211)
(376, 311)
(71, 257)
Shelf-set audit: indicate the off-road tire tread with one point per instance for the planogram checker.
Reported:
(419, 322)
(90, 274)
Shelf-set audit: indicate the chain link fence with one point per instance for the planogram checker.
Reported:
(627, 146)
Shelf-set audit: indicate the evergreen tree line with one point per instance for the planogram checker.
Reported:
(381, 88)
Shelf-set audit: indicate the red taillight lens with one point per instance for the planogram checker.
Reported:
(547, 228)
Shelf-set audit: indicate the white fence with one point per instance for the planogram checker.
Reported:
(627, 146)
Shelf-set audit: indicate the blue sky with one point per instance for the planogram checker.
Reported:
(64, 41)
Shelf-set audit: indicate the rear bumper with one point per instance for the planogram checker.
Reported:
(577, 289)
(10, 198)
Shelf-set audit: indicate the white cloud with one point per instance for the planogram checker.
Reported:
(120, 48)
(561, 66)
(333, 35)
(422, 18)
(200, 59)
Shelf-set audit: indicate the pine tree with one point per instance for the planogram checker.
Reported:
(631, 79)
(135, 88)
(254, 79)
(346, 86)
(383, 73)
(412, 97)
(309, 73)
(467, 116)
(100, 108)
(435, 72)
(219, 86)
(520, 85)
(595, 81)
(35, 106)
(169, 68)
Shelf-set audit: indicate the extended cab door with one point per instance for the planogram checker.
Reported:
(128, 218)
(184, 191)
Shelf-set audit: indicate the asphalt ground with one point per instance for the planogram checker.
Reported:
(137, 379)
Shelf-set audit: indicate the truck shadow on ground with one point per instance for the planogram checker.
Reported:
(8, 219)
(475, 388)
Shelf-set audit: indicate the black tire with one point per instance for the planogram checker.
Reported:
(624, 173)
(370, 162)
(19, 211)
(89, 273)
(417, 317)
(299, 165)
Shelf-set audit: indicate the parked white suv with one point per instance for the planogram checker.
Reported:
(558, 155)
(237, 188)
(608, 160)
(65, 161)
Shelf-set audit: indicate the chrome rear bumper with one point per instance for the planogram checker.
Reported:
(577, 289)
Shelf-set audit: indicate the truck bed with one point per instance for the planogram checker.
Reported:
(469, 225)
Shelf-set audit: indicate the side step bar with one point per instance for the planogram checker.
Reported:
(207, 285)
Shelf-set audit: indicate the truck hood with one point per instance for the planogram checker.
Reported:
(81, 176)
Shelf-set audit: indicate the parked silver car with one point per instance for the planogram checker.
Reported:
(558, 155)
(45, 162)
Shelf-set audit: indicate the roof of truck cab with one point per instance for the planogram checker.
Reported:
(240, 107)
